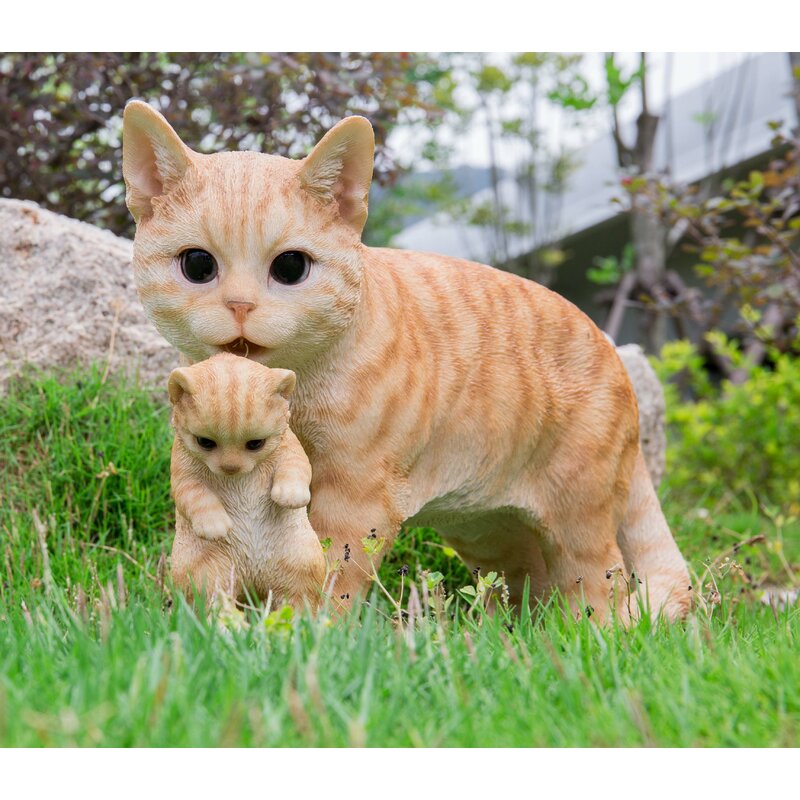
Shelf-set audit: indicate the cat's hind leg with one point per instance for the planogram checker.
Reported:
(585, 565)
(650, 551)
(203, 568)
(582, 561)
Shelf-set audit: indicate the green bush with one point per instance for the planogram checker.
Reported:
(744, 438)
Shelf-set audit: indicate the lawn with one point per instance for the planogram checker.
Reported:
(96, 650)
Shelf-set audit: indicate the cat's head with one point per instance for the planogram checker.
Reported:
(243, 252)
(230, 412)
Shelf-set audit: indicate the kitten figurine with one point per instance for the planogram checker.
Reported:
(240, 480)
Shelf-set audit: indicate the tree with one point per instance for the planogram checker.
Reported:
(60, 138)
(746, 241)
(746, 235)
(647, 277)
(519, 218)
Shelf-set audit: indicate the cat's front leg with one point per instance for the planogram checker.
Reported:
(211, 523)
(203, 511)
(361, 525)
(197, 503)
(291, 480)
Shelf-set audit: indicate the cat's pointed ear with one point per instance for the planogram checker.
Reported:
(339, 169)
(285, 382)
(154, 159)
(180, 383)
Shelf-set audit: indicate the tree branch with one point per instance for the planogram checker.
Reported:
(617, 313)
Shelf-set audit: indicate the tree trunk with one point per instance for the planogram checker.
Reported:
(649, 240)
(647, 232)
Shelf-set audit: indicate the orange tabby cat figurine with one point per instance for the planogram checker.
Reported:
(430, 390)
(240, 480)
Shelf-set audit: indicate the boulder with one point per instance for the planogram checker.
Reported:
(652, 409)
(68, 291)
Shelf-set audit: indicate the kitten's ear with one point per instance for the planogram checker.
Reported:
(285, 382)
(154, 159)
(340, 168)
(180, 383)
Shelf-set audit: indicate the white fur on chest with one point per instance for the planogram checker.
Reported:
(258, 524)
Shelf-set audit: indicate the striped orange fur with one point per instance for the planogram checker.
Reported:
(430, 390)
(240, 480)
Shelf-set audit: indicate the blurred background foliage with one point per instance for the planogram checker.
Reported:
(733, 374)
(61, 113)
(60, 146)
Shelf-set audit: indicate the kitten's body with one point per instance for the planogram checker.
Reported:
(231, 534)
(430, 389)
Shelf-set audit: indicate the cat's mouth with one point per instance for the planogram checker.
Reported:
(245, 348)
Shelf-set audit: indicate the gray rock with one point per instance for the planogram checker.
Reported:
(67, 286)
(650, 395)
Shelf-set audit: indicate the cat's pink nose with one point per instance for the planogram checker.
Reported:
(230, 469)
(240, 308)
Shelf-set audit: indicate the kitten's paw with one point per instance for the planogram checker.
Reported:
(212, 525)
(290, 494)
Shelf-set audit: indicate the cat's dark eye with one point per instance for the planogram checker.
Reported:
(255, 444)
(291, 267)
(198, 266)
(206, 444)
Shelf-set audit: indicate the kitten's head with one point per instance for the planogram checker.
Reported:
(243, 252)
(230, 412)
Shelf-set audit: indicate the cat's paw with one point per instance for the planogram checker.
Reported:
(290, 494)
(213, 525)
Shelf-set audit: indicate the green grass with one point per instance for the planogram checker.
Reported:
(95, 651)
(146, 677)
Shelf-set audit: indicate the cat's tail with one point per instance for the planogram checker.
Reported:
(651, 555)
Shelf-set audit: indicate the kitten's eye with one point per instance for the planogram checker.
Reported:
(198, 266)
(291, 267)
(255, 444)
(206, 444)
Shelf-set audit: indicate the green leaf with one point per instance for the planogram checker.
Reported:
(575, 94)
(433, 579)
(705, 118)
(617, 85)
(372, 547)
(534, 60)
(552, 257)
(756, 179)
(492, 79)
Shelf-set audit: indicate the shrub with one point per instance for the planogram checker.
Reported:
(62, 113)
(744, 437)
